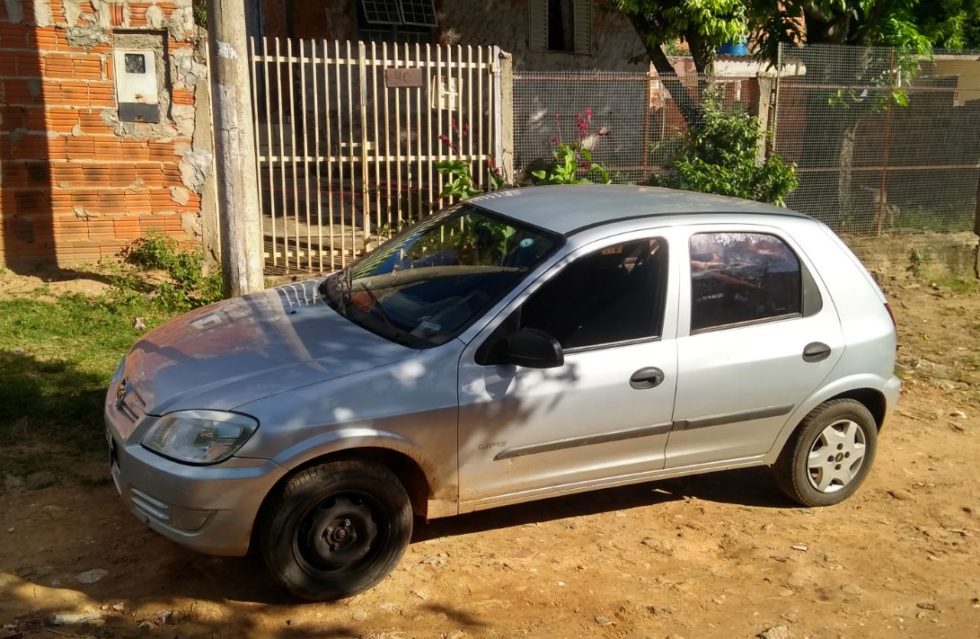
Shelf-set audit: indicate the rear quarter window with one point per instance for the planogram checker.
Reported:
(742, 277)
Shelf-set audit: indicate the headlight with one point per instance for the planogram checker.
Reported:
(199, 436)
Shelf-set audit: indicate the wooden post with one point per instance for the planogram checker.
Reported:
(238, 193)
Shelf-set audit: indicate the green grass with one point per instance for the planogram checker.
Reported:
(56, 359)
(958, 285)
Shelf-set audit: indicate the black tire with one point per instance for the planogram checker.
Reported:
(336, 529)
(827, 480)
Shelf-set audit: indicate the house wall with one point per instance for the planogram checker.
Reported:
(503, 23)
(76, 184)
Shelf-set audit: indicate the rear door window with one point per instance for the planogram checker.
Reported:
(742, 277)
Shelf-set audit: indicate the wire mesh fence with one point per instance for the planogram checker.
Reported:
(881, 144)
(627, 120)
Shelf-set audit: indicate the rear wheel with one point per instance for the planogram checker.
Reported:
(829, 454)
(336, 529)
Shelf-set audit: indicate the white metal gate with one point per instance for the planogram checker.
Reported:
(348, 135)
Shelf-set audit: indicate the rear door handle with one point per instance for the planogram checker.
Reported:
(816, 352)
(648, 377)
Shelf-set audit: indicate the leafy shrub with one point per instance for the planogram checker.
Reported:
(720, 155)
(459, 180)
(184, 284)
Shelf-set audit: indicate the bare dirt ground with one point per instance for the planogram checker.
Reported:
(715, 556)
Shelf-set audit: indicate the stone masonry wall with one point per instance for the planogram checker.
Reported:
(76, 184)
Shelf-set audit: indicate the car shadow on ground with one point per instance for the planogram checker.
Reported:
(746, 487)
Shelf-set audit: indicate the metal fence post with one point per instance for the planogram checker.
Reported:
(882, 211)
(503, 103)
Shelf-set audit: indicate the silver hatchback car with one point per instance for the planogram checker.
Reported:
(520, 345)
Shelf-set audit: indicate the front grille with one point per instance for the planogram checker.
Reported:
(132, 406)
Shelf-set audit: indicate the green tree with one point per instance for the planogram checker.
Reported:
(862, 23)
(950, 24)
(703, 24)
(857, 24)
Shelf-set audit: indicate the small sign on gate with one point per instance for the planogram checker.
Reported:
(445, 93)
(395, 78)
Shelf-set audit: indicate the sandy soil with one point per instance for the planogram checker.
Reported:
(715, 556)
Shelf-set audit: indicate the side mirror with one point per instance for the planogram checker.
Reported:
(533, 348)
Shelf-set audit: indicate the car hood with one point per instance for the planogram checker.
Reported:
(246, 348)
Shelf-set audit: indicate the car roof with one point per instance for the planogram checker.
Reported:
(568, 209)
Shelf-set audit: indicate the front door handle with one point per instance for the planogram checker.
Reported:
(647, 378)
(816, 352)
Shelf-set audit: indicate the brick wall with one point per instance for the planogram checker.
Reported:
(76, 184)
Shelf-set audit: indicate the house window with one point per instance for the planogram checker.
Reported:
(560, 25)
(396, 20)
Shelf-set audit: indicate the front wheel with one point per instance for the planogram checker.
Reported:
(829, 454)
(336, 529)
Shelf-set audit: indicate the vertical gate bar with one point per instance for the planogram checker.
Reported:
(451, 150)
(480, 146)
(328, 154)
(407, 153)
(440, 147)
(253, 58)
(459, 102)
(338, 88)
(351, 153)
(375, 147)
(468, 138)
(282, 162)
(292, 151)
(430, 200)
(387, 156)
(417, 130)
(269, 152)
(362, 78)
(306, 154)
(398, 139)
(314, 74)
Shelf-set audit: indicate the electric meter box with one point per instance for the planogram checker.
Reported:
(137, 91)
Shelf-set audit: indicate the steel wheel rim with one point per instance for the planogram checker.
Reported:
(836, 456)
(342, 532)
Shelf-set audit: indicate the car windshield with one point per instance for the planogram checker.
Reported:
(431, 281)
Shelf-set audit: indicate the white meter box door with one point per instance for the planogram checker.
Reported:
(136, 85)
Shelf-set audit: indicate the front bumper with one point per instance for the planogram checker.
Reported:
(210, 509)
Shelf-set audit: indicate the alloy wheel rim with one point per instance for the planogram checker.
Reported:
(836, 456)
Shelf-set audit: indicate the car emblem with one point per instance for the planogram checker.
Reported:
(121, 391)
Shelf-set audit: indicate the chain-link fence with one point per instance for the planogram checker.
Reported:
(881, 144)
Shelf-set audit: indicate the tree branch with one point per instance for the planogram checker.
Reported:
(686, 103)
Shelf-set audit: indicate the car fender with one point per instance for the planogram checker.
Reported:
(824, 393)
(443, 498)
